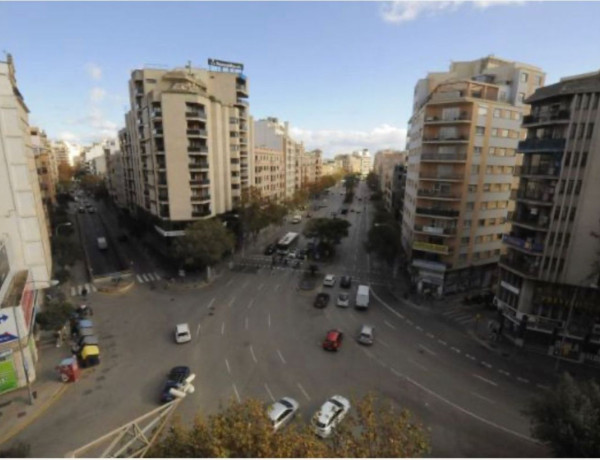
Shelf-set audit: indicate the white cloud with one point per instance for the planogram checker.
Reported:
(332, 142)
(94, 71)
(97, 94)
(403, 11)
(68, 136)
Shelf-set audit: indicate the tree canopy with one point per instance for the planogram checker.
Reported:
(372, 429)
(567, 418)
(327, 230)
(204, 243)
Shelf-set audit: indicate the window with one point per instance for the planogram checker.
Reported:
(486, 187)
(477, 150)
(524, 77)
(577, 102)
(584, 159)
(572, 214)
(575, 158)
(470, 205)
(481, 222)
(492, 150)
(538, 80)
(472, 188)
(482, 110)
(464, 240)
(494, 132)
(521, 97)
(570, 185)
(586, 101)
(590, 129)
(578, 187)
(483, 205)
(497, 113)
(573, 131)
(568, 159)
(502, 204)
(595, 103)
(466, 223)
(562, 187)
(474, 169)
(489, 170)
(480, 130)
(516, 115)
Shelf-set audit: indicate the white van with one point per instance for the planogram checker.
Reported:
(362, 297)
(102, 244)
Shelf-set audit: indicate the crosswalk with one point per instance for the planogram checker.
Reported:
(148, 277)
(78, 290)
(460, 315)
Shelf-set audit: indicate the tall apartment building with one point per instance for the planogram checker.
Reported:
(187, 144)
(462, 142)
(115, 179)
(330, 168)
(549, 276)
(366, 162)
(269, 172)
(384, 162)
(46, 170)
(311, 167)
(350, 163)
(61, 153)
(25, 257)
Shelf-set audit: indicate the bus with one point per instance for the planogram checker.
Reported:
(286, 242)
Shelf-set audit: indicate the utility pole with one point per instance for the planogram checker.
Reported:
(565, 329)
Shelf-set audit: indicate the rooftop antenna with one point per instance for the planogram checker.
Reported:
(189, 67)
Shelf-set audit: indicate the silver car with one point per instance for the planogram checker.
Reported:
(343, 300)
(329, 415)
(281, 412)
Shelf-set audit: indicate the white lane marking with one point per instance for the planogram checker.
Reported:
(418, 365)
(521, 379)
(483, 397)
(269, 391)
(396, 373)
(442, 342)
(303, 392)
(87, 287)
(73, 292)
(504, 372)
(430, 335)
(542, 387)
(400, 316)
(385, 344)
(145, 278)
(387, 323)
(424, 348)
(227, 365)
(276, 287)
(488, 365)
(157, 276)
(455, 350)
(246, 323)
(94, 288)
(237, 395)
(253, 355)
(251, 303)
(232, 301)
(419, 328)
(151, 277)
(223, 328)
(210, 304)
(281, 357)
(472, 358)
(467, 412)
(485, 380)
(269, 320)
(198, 330)
(410, 322)
(260, 286)
(229, 282)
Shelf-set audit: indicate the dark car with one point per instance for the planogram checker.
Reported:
(175, 379)
(270, 249)
(346, 281)
(333, 340)
(344, 212)
(322, 300)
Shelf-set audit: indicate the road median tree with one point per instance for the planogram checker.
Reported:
(204, 244)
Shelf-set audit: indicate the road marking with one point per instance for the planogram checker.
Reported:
(269, 320)
(543, 387)
(389, 324)
(396, 373)
(145, 278)
(73, 292)
(424, 348)
(269, 391)
(250, 304)
(157, 276)
(276, 287)
(253, 355)
(419, 328)
(410, 322)
(281, 357)
(260, 286)
(385, 344)
(237, 395)
(228, 368)
(232, 301)
(198, 330)
(418, 365)
(504, 372)
(488, 365)
(303, 392)
(472, 358)
(151, 277)
(430, 335)
(467, 412)
(483, 397)
(485, 380)
(210, 304)
(246, 323)
(223, 328)
(456, 350)
(521, 379)
(87, 287)
(229, 282)
(442, 342)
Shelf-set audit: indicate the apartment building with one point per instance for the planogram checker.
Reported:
(350, 163)
(384, 163)
(269, 173)
(462, 143)
(61, 153)
(46, 170)
(311, 167)
(330, 168)
(187, 144)
(366, 162)
(25, 257)
(115, 179)
(549, 277)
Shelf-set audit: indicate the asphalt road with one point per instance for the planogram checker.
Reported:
(255, 334)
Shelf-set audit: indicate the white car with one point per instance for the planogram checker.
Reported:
(329, 415)
(182, 333)
(281, 412)
(296, 219)
(291, 254)
(329, 280)
(343, 300)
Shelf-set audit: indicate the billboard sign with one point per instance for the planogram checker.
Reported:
(226, 64)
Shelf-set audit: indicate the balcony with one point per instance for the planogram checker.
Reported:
(439, 212)
(541, 145)
(437, 194)
(439, 231)
(200, 198)
(442, 120)
(445, 139)
(241, 90)
(545, 170)
(242, 103)
(138, 92)
(521, 265)
(158, 131)
(199, 182)
(198, 165)
(448, 157)
(543, 198)
(431, 247)
(554, 117)
(450, 177)
(522, 244)
(539, 223)
(197, 132)
(243, 127)
(156, 113)
(198, 148)
(196, 114)
(160, 166)
(163, 197)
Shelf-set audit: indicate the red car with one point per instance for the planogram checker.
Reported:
(333, 340)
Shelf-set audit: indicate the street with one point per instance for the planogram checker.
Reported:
(256, 335)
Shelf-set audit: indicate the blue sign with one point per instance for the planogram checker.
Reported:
(3, 318)
(6, 337)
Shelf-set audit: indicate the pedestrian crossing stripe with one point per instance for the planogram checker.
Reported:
(148, 277)
(78, 290)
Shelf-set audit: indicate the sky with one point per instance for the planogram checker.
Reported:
(342, 73)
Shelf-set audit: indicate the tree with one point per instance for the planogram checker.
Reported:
(384, 240)
(566, 419)
(65, 173)
(55, 315)
(372, 429)
(17, 450)
(204, 243)
(327, 230)
(257, 213)
(373, 181)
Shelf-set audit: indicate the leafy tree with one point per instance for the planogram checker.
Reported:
(373, 181)
(372, 429)
(257, 213)
(566, 419)
(204, 244)
(327, 230)
(384, 240)
(65, 252)
(65, 174)
(55, 314)
(18, 450)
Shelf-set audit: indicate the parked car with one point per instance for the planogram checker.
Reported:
(322, 300)
(281, 412)
(333, 340)
(329, 280)
(365, 336)
(270, 249)
(346, 281)
(175, 379)
(343, 300)
(182, 333)
(331, 413)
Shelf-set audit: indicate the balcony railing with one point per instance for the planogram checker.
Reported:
(437, 194)
(529, 269)
(158, 131)
(536, 195)
(434, 118)
(242, 102)
(162, 197)
(539, 171)
(431, 247)
(435, 230)
(540, 222)
(441, 176)
(563, 115)
(199, 181)
(438, 212)
(196, 132)
(198, 165)
(528, 245)
(460, 138)
(198, 148)
(195, 114)
(156, 113)
(200, 198)
(542, 145)
(444, 157)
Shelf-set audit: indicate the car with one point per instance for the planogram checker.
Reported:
(365, 336)
(329, 280)
(322, 300)
(281, 412)
(182, 333)
(91, 210)
(333, 340)
(175, 379)
(343, 300)
(344, 212)
(81, 209)
(331, 413)
(291, 254)
(270, 249)
(346, 281)
(296, 219)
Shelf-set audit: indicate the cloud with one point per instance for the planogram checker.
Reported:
(94, 71)
(332, 142)
(68, 136)
(397, 12)
(97, 94)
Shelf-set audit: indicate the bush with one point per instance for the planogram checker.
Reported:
(55, 315)
(18, 450)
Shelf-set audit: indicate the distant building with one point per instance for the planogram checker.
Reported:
(330, 168)
(311, 168)
(385, 161)
(46, 170)
(269, 172)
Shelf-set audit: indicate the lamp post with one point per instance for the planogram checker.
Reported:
(64, 224)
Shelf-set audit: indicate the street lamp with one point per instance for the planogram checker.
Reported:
(64, 224)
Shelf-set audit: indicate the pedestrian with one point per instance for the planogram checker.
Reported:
(84, 293)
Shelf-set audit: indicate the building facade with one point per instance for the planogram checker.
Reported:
(548, 285)
(269, 173)
(311, 167)
(46, 170)
(186, 145)
(462, 142)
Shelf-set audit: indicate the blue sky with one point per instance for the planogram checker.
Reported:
(342, 73)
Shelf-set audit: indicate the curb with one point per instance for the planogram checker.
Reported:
(119, 290)
(43, 408)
